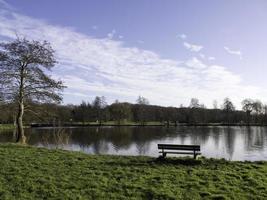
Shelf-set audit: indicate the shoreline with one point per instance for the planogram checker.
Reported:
(143, 125)
(149, 124)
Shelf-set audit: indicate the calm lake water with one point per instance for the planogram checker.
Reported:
(231, 143)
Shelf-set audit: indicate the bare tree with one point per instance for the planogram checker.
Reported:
(257, 108)
(194, 103)
(247, 106)
(228, 108)
(142, 100)
(142, 115)
(215, 104)
(99, 104)
(23, 67)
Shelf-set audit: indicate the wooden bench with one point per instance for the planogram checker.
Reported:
(179, 149)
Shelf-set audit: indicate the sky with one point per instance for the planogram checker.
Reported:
(167, 51)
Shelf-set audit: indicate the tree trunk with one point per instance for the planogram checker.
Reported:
(19, 123)
(19, 120)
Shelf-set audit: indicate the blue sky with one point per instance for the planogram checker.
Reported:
(167, 51)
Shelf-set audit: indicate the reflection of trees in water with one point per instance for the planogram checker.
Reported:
(143, 148)
(255, 137)
(100, 147)
(56, 137)
(198, 135)
(229, 137)
(7, 136)
(100, 139)
(215, 134)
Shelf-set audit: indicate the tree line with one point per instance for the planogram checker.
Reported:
(141, 112)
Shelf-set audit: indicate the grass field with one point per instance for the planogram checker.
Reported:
(37, 173)
(6, 126)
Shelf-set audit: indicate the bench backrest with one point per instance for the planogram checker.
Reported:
(179, 147)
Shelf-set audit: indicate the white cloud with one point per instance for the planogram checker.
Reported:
(121, 37)
(195, 63)
(234, 52)
(111, 34)
(201, 55)
(192, 47)
(182, 36)
(101, 66)
(211, 58)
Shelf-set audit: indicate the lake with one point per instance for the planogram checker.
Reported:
(231, 143)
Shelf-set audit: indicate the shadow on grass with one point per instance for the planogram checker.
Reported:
(155, 161)
(178, 161)
(134, 162)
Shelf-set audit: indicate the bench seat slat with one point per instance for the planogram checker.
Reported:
(175, 145)
(179, 147)
(176, 152)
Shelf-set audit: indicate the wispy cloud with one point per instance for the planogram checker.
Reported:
(111, 34)
(182, 36)
(5, 5)
(94, 27)
(234, 52)
(211, 58)
(201, 55)
(192, 47)
(102, 66)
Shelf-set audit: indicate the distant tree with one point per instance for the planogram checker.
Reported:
(265, 113)
(228, 105)
(22, 76)
(257, 108)
(99, 104)
(142, 101)
(228, 108)
(247, 106)
(142, 114)
(82, 112)
(120, 111)
(171, 115)
(215, 104)
(196, 113)
(194, 103)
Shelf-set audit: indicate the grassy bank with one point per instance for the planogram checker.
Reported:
(37, 173)
(6, 126)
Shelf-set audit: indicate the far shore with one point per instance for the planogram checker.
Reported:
(139, 124)
(133, 124)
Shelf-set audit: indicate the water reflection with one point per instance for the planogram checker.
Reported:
(233, 143)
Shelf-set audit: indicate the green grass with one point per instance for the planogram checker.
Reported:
(6, 126)
(37, 173)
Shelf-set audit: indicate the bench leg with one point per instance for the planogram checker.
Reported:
(164, 154)
(195, 155)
